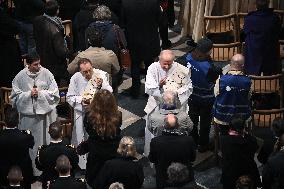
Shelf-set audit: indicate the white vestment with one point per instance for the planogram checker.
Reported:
(78, 87)
(155, 74)
(36, 114)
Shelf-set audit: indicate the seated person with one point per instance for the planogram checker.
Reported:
(65, 180)
(125, 169)
(116, 185)
(169, 104)
(171, 146)
(273, 171)
(178, 175)
(245, 182)
(15, 178)
(47, 154)
(14, 147)
(267, 149)
(238, 151)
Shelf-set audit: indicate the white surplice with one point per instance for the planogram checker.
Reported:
(36, 114)
(155, 74)
(77, 86)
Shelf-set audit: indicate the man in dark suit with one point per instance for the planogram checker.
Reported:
(140, 18)
(171, 146)
(14, 148)
(65, 180)
(47, 154)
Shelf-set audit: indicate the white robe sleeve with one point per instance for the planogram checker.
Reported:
(152, 87)
(105, 84)
(74, 97)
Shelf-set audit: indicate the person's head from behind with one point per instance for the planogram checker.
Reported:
(63, 165)
(126, 147)
(203, 49)
(278, 126)
(11, 117)
(237, 124)
(55, 131)
(177, 173)
(169, 100)
(103, 113)
(86, 68)
(261, 4)
(51, 8)
(237, 62)
(94, 37)
(15, 175)
(33, 61)
(102, 13)
(245, 182)
(166, 59)
(171, 122)
(116, 185)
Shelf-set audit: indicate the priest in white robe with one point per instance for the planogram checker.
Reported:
(161, 76)
(82, 87)
(35, 95)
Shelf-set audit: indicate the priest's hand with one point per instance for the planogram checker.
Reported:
(85, 102)
(162, 82)
(34, 92)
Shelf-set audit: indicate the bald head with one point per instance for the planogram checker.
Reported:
(171, 121)
(166, 59)
(237, 62)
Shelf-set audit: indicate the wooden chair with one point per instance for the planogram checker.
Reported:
(5, 100)
(224, 52)
(220, 29)
(65, 112)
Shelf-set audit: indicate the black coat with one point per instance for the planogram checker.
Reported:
(68, 183)
(51, 46)
(126, 170)
(14, 148)
(100, 150)
(27, 10)
(47, 155)
(273, 172)
(9, 53)
(140, 18)
(238, 159)
(169, 148)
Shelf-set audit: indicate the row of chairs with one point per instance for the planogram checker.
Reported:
(66, 119)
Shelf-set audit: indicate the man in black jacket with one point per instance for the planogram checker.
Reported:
(47, 154)
(140, 18)
(65, 180)
(52, 45)
(171, 146)
(14, 148)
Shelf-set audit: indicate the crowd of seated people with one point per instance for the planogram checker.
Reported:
(183, 101)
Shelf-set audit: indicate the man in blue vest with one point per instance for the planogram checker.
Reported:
(232, 93)
(203, 76)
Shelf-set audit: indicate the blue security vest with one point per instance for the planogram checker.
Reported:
(203, 90)
(232, 98)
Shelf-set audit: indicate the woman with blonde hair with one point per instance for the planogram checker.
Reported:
(125, 168)
(102, 123)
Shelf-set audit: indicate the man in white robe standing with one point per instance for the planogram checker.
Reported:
(160, 77)
(35, 95)
(82, 88)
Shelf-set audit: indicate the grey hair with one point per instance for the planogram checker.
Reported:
(116, 185)
(102, 13)
(127, 147)
(169, 98)
(237, 61)
(177, 173)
